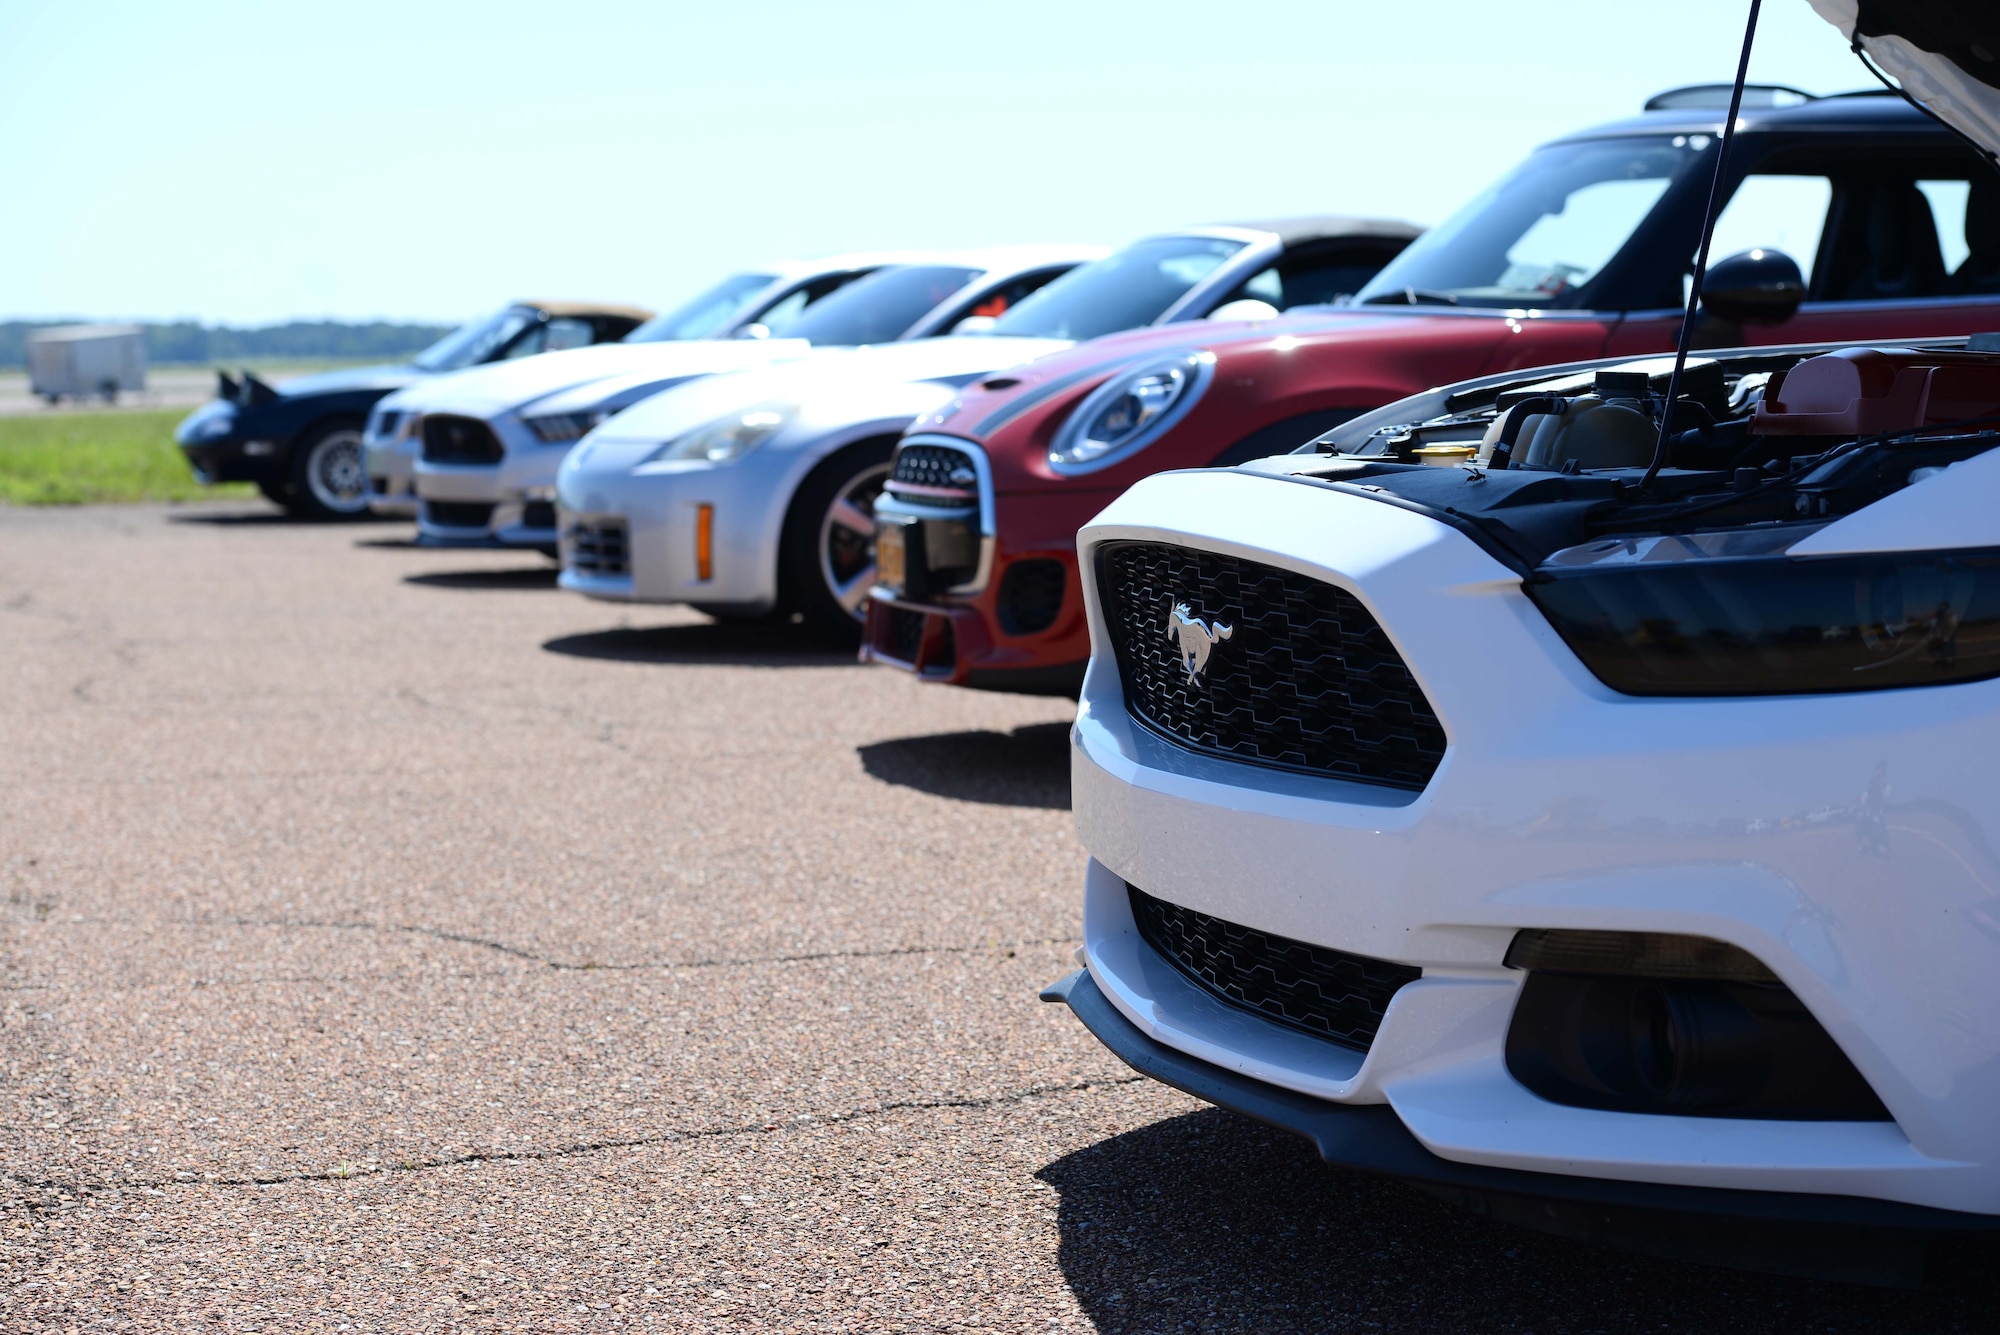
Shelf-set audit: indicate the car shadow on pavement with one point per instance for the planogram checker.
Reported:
(755, 643)
(523, 577)
(254, 519)
(1028, 767)
(1214, 1220)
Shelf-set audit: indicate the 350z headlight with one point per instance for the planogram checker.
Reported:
(727, 437)
(561, 428)
(1773, 624)
(1129, 412)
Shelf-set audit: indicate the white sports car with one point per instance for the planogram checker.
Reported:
(753, 304)
(489, 448)
(1506, 811)
(1514, 828)
(756, 491)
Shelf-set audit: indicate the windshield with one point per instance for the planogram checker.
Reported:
(879, 307)
(1540, 234)
(1123, 291)
(477, 340)
(710, 314)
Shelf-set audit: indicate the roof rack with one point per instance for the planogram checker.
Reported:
(1715, 97)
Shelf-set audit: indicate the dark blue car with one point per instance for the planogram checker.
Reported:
(300, 442)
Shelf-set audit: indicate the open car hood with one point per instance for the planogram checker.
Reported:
(1945, 53)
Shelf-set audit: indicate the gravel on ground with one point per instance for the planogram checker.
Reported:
(392, 941)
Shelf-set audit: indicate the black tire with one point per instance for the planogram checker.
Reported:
(826, 564)
(329, 473)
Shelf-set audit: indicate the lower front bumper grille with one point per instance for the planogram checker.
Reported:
(538, 514)
(1315, 990)
(1841, 1237)
(458, 514)
(1031, 596)
(597, 547)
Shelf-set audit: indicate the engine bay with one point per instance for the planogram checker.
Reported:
(1777, 443)
(1702, 578)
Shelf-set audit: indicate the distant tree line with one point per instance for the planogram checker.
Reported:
(186, 341)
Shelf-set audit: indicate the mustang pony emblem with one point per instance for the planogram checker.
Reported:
(1194, 638)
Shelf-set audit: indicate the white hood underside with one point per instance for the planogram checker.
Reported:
(1945, 53)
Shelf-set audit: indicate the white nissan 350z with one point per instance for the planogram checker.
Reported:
(1592, 820)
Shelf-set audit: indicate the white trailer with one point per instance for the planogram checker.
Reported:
(79, 360)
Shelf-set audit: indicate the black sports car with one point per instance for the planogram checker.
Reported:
(300, 442)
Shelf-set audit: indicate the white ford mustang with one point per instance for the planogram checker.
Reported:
(1588, 819)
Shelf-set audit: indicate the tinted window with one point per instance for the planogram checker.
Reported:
(1967, 215)
(710, 314)
(997, 301)
(1123, 291)
(1539, 235)
(527, 345)
(880, 307)
(564, 333)
(776, 319)
(1873, 223)
(1775, 212)
(472, 343)
(1314, 278)
(1948, 201)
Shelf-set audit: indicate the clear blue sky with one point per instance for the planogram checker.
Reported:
(258, 162)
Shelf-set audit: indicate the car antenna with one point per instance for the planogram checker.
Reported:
(1701, 255)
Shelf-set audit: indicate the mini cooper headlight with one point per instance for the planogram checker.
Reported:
(1129, 412)
(727, 437)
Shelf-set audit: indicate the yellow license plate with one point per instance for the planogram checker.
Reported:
(891, 565)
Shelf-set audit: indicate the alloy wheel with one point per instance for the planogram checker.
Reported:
(337, 472)
(847, 540)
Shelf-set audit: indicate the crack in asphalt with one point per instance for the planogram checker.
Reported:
(590, 966)
(347, 1173)
(562, 966)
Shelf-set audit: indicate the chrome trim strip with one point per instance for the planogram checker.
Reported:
(987, 523)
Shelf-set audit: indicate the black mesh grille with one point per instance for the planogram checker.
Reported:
(538, 514)
(935, 466)
(1305, 680)
(1327, 993)
(459, 440)
(459, 514)
(907, 631)
(1031, 596)
(597, 548)
(906, 634)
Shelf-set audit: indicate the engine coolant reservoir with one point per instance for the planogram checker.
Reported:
(1611, 427)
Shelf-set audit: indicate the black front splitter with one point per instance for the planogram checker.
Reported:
(1849, 1238)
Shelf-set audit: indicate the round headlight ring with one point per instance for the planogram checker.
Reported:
(1129, 412)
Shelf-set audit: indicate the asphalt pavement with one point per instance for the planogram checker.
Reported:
(394, 942)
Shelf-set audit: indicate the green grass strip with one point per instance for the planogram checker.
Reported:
(97, 458)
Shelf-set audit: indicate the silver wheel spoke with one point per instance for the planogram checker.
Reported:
(854, 593)
(846, 514)
(847, 541)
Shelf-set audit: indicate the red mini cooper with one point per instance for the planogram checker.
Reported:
(1583, 251)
